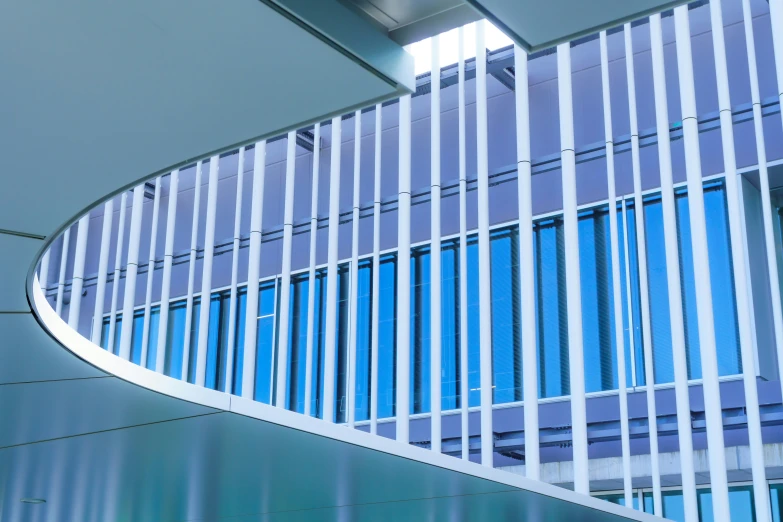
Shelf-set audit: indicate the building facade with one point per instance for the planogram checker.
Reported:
(596, 225)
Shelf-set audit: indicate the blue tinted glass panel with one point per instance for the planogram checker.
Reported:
(387, 336)
(420, 331)
(297, 342)
(450, 369)
(175, 339)
(740, 504)
(265, 341)
(506, 330)
(194, 329)
(343, 334)
(152, 343)
(595, 268)
(137, 335)
(474, 324)
(776, 501)
(363, 340)
(551, 316)
(105, 333)
(319, 330)
(239, 342)
(217, 341)
(660, 326)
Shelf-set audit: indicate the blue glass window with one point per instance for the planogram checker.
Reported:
(152, 344)
(319, 330)
(450, 314)
(343, 334)
(595, 269)
(297, 342)
(506, 316)
(420, 330)
(105, 333)
(265, 341)
(363, 340)
(239, 342)
(387, 336)
(551, 313)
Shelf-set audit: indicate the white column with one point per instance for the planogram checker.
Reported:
(145, 333)
(115, 287)
(77, 283)
(641, 243)
(616, 291)
(354, 296)
(709, 360)
(435, 254)
(253, 271)
(376, 274)
(232, 304)
(673, 274)
(285, 285)
(404, 274)
(311, 274)
(131, 272)
(330, 354)
(526, 266)
(463, 254)
(61, 276)
(484, 265)
(192, 274)
(573, 283)
(760, 488)
(103, 267)
(165, 284)
(206, 274)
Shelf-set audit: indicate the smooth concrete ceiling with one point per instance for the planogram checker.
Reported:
(98, 94)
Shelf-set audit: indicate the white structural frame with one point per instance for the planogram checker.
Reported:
(354, 270)
(403, 356)
(285, 282)
(311, 274)
(253, 271)
(741, 289)
(435, 251)
(192, 274)
(376, 272)
(117, 271)
(131, 272)
(484, 265)
(641, 242)
(527, 267)
(103, 267)
(65, 243)
(232, 305)
(701, 259)
(77, 283)
(463, 253)
(684, 429)
(573, 282)
(145, 332)
(625, 441)
(206, 271)
(332, 272)
(165, 284)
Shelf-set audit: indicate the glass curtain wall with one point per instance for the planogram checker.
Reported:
(595, 258)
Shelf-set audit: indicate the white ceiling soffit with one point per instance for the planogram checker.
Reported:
(533, 24)
(119, 91)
